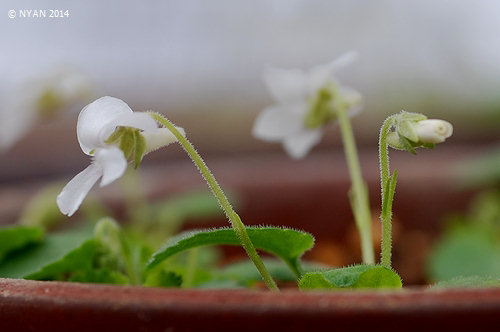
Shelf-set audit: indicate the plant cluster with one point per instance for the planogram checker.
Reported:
(114, 136)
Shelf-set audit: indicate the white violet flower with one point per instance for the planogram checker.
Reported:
(43, 97)
(306, 102)
(112, 134)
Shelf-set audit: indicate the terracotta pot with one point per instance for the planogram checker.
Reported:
(56, 306)
(310, 195)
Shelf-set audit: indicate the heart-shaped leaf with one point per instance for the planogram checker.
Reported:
(33, 258)
(358, 276)
(287, 244)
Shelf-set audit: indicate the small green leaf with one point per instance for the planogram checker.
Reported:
(465, 250)
(33, 258)
(388, 197)
(17, 237)
(288, 244)
(358, 276)
(468, 282)
(407, 130)
(79, 259)
(407, 144)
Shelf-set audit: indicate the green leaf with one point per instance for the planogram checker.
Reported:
(465, 250)
(406, 144)
(33, 258)
(77, 260)
(287, 244)
(388, 197)
(17, 237)
(468, 282)
(358, 276)
(407, 130)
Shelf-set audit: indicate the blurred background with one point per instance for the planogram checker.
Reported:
(201, 63)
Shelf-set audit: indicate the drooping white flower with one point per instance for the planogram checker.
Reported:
(42, 97)
(111, 133)
(306, 102)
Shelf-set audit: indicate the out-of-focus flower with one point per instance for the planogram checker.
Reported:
(306, 102)
(41, 98)
(112, 134)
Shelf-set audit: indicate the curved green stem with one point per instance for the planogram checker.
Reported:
(233, 217)
(388, 186)
(360, 202)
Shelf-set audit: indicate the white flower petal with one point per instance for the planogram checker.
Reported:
(298, 145)
(96, 116)
(433, 130)
(286, 85)
(112, 162)
(159, 137)
(72, 195)
(343, 61)
(275, 123)
(319, 76)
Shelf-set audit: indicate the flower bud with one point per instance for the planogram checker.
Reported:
(433, 130)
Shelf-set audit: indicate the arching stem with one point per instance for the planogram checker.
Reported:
(233, 217)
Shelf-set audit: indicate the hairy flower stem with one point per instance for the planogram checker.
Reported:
(388, 186)
(233, 217)
(360, 203)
